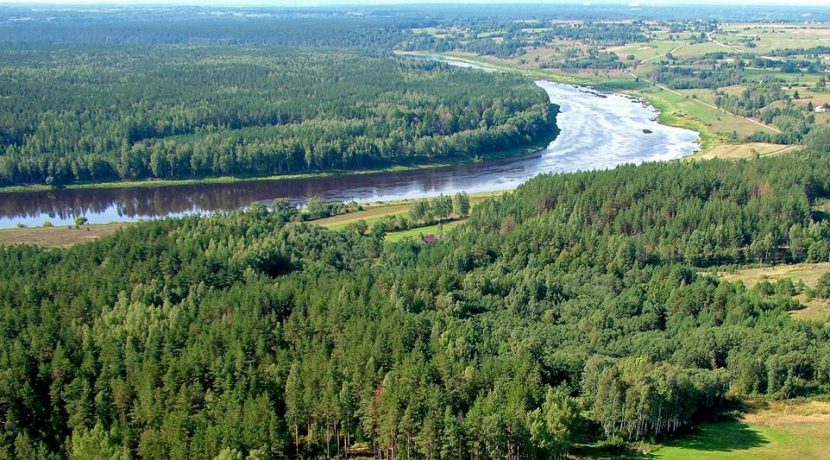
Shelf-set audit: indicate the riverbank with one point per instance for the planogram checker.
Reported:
(65, 236)
(693, 111)
(57, 237)
(511, 153)
(515, 152)
(673, 110)
(598, 131)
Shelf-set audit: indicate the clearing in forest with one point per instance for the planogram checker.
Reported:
(770, 431)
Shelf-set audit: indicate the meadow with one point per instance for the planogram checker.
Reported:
(769, 431)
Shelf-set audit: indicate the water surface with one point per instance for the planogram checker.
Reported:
(598, 131)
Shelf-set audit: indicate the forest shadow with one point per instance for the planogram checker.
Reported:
(720, 437)
(724, 437)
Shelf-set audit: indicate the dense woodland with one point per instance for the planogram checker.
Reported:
(82, 113)
(582, 308)
(576, 309)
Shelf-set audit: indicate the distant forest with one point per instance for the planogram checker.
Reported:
(84, 113)
(576, 309)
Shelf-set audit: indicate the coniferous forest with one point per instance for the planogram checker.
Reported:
(578, 307)
(585, 310)
(86, 113)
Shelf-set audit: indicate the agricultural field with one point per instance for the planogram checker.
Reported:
(770, 37)
(734, 83)
(744, 151)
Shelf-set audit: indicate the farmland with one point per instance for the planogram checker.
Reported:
(734, 83)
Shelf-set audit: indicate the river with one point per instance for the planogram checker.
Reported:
(598, 131)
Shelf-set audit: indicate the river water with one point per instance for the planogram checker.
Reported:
(598, 131)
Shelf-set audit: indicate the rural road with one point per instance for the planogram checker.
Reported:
(666, 88)
(711, 37)
(662, 55)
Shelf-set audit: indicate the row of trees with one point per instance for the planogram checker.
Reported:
(440, 208)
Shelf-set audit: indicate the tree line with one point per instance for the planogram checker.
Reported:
(70, 115)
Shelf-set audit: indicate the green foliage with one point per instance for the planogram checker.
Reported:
(566, 311)
(188, 111)
(461, 204)
(818, 139)
(429, 211)
(823, 286)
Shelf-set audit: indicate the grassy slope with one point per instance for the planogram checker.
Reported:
(744, 151)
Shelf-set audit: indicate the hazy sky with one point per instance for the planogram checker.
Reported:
(398, 2)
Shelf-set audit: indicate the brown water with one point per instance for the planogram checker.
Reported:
(597, 132)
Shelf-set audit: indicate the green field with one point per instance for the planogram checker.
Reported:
(798, 429)
(739, 440)
(437, 230)
(647, 50)
(768, 37)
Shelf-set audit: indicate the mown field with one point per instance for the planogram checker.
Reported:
(744, 151)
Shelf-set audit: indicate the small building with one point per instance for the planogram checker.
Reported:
(428, 239)
(821, 108)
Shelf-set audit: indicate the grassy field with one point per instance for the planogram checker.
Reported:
(673, 114)
(370, 214)
(56, 236)
(374, 212)
(777, 430)
(645, 51)
(699, 106)
(436, 230)
(744, 151)
(809, 273)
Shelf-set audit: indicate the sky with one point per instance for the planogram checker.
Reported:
(299, 3)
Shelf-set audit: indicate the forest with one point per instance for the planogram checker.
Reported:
(87, 113)
(578, 309)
